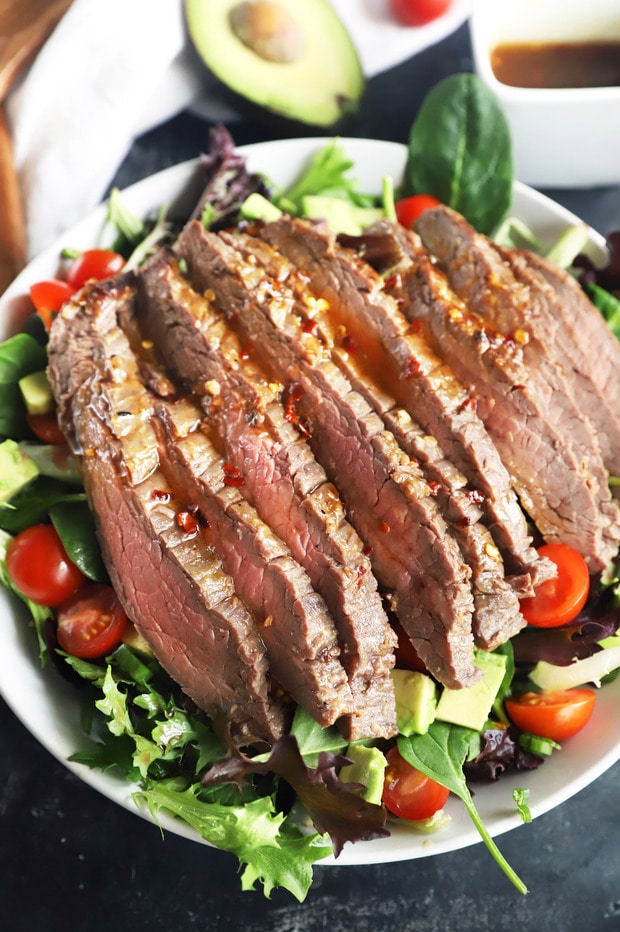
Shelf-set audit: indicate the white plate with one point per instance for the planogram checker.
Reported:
(46, 705)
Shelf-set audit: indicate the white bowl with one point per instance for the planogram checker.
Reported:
(562, 137)
(48, 706)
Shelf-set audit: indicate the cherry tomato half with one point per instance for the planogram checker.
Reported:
(48, 297)
(39, 567)
(93, 263)
(559, 600)
(407, 792)
(418, 12)
(45, 427)
(410, 208)
(556, 715)
(91, 622)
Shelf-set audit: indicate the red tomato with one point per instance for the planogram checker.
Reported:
(418, 12)
(407, 792)
(559, 600)
(48, 297)
(39, 567)
(93, 263)
(91, 622)
(45, 427)
(410, 208)
(555, 715)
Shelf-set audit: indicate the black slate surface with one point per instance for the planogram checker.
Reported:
(71, 860)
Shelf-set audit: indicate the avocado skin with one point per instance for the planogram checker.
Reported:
(274, 125)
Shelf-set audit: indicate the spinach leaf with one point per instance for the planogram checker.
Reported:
(75, 524)
(440, 754)
(460, 150)
(608, 305)
(19, 356)
(31, 505)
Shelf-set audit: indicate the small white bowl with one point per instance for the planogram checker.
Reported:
(562, 137)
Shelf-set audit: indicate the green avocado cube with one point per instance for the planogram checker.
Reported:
(416, 701)
(368, 768)
(37, 393)
(471, 706)
(340, 216)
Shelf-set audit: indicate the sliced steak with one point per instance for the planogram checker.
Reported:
(584, 342)
(400, 359)
(280, 477)
(555, 486)
(418, 560)
(480, 276)
(297, 630)
(171, 583)
(496, 612)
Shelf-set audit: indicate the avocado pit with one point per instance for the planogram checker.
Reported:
(268, 29)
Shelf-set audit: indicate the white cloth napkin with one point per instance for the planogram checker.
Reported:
(105, 76)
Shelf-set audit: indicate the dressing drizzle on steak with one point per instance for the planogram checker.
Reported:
(345, 444)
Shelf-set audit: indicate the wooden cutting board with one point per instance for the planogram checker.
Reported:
(24, 27)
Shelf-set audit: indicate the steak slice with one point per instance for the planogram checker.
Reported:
(297, 631)
(496, 612)
(171, 583)
(584, 341)
(400, 359)
(555, 486)
(281, 478)
(478, 274)
(418, 561)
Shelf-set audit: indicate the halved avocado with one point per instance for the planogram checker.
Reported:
(293, 57)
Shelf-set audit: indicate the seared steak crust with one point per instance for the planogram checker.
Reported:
(281, 477)
(399, 358)
(380, 484)
(172, 583)
(480, 277)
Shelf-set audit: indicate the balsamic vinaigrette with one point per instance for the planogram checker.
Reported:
(557, 64)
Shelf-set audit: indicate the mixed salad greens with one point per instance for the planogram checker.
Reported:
(281, 811)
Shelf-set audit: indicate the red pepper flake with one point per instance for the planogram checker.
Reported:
(384, 527)
(414, 327)
(412, 369)
(160, 495)
(187, 521)
(244, 352)
(309, 326)
(232, 476)
(367, 550)
(470, 404)
(475, 496)
(434, 486)
(361, 571)
(395, 280)
(292, 394)
(349, 344)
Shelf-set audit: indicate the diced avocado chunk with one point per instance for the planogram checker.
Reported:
(340, 216)
(416, 701)
(16, 470)
(257, 207)
(368, 768)
(37, 393)
(470, 706)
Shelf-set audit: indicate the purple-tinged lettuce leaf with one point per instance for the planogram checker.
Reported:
(335, 808)
(499, 753)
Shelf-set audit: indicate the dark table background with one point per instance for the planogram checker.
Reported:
(72, 860)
